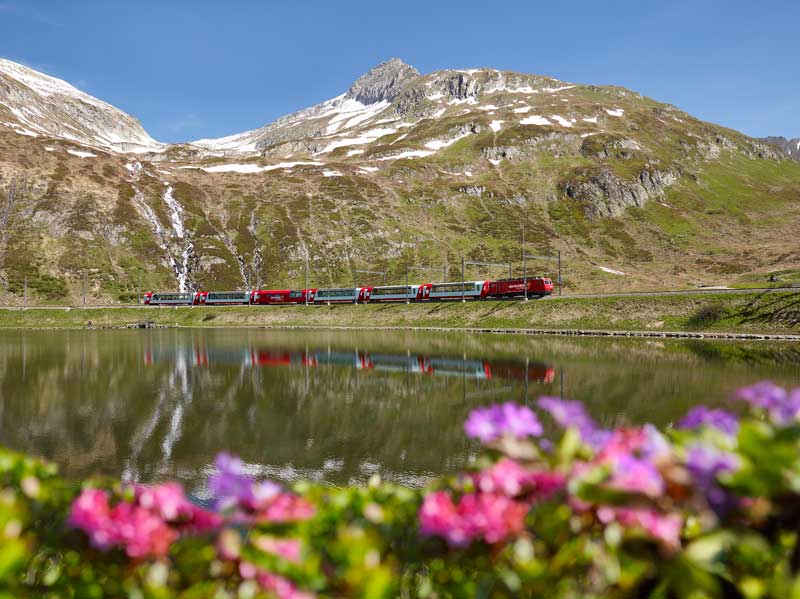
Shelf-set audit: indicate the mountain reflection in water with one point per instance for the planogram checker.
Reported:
(330, 405)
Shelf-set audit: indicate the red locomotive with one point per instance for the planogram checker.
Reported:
(537, 287)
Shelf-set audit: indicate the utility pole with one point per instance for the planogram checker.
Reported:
(524, 264)
(407, 289)
(305, 292)
(138, 287)
(25, 294)
(462, 280)
(559, 273)
(84, 288)
(355, 284)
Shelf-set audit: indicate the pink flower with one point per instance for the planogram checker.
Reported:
(286, 507)
(477, 515)
(438, 516)
(91, 513)
(281, 587)
(511, 479)
(665, 528)
(140, 531)
(145, 527)
(288, 549)
(167, 500)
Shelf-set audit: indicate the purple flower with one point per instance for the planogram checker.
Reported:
(230, 485)
(520, 421)
(782, 406)
(484, 424)
(572, 414)
(637, 476)
(706, 463)
(721, 420)
(489, 424)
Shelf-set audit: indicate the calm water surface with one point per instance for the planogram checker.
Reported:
(333, 406)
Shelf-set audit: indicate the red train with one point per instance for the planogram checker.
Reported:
(502, 288)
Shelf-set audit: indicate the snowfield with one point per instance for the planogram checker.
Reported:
(535, 120)
(250, 168)
(611, 270)
(80, 154)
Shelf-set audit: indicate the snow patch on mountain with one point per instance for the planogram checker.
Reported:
(535, 120)
(80, 154)
(409, 154)
(365, 138)
(561, 120)
(45, 105)
(612, 271)
(251, 168)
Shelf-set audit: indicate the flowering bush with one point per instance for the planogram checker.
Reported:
(708, 509)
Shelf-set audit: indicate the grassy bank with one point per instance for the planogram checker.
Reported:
(744, 312)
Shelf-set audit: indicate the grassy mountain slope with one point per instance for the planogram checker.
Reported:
(613, 180)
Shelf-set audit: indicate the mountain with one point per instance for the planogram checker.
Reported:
(790, 146)
(35, 104)
(402, 168)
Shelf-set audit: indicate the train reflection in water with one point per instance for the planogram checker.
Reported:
(253, 357)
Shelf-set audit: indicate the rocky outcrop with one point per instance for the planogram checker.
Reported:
(602, 193)
(552, 142)
(609, 146)
(383, 82)
(764, 151)
(473, 190)
(789, 146)
(461, 87)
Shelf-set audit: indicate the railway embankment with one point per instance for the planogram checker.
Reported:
(745, 314)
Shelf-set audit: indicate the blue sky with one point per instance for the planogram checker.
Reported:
(192, 69)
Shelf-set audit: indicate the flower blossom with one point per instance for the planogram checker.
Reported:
(512, 479)
(281, 587)
(665, 528)
(636, 475)
(722, 420)
(706, 463)
(263, 501)
(146, 526)
(288, 549)
(489, 424)
(486, 516)
(572, 414)
(783, 406)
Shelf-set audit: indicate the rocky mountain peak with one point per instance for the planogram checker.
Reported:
(382, 82)
(790, 146)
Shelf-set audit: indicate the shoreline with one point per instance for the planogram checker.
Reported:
(743, 315)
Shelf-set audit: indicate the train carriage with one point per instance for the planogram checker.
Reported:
(537, 287)
(346, 295)
(169, 299)
(226, 298)
(397, 293)
(457, 291)
(266, 297)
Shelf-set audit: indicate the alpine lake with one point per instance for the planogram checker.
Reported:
(333, 406)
